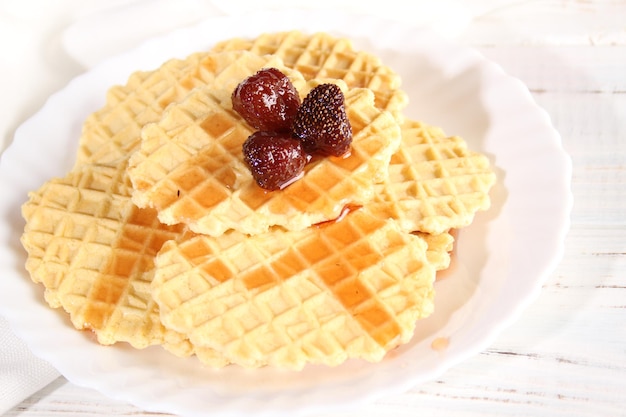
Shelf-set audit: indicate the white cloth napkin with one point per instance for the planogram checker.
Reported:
(21, 372)
(101, 29)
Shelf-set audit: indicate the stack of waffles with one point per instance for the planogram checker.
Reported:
(160, 236)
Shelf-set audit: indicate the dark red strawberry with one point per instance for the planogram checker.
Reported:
(321, 122)
(275, 159)
(267, 100)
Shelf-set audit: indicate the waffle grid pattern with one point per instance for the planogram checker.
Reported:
(92, 250)
(114, 131)
(349, 289)
(435, 182)
(320, 55)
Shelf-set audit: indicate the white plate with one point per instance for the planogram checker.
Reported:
(503, 258)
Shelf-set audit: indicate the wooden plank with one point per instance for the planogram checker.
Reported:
(570, 69)
(548, 22)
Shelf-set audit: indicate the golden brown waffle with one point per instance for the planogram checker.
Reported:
(347, 289)
(93, 251)
(321, 55)
(114, 130)
(190, 167)
(435, 182)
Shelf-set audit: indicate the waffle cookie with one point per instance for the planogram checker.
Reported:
(435, 182)
(190, 168)
(93, 251)
(321, 55)
(114, 130)
(347, 289)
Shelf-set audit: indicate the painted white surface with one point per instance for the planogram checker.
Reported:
(566, 355)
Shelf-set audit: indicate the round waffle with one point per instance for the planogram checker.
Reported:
(347, 289)
(190, 165)
(93, 251)
(435, 182)
(114, 131)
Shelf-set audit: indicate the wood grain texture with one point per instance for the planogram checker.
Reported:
(566, 355)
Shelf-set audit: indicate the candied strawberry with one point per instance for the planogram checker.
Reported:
(267, 100)
(275, 159)
(321, 122)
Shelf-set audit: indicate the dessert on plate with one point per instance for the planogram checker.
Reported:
(263, 203)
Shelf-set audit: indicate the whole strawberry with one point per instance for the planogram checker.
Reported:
(321, 122)
(267, 100)
(275, 159)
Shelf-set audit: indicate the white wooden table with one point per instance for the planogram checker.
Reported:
(566, 355)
